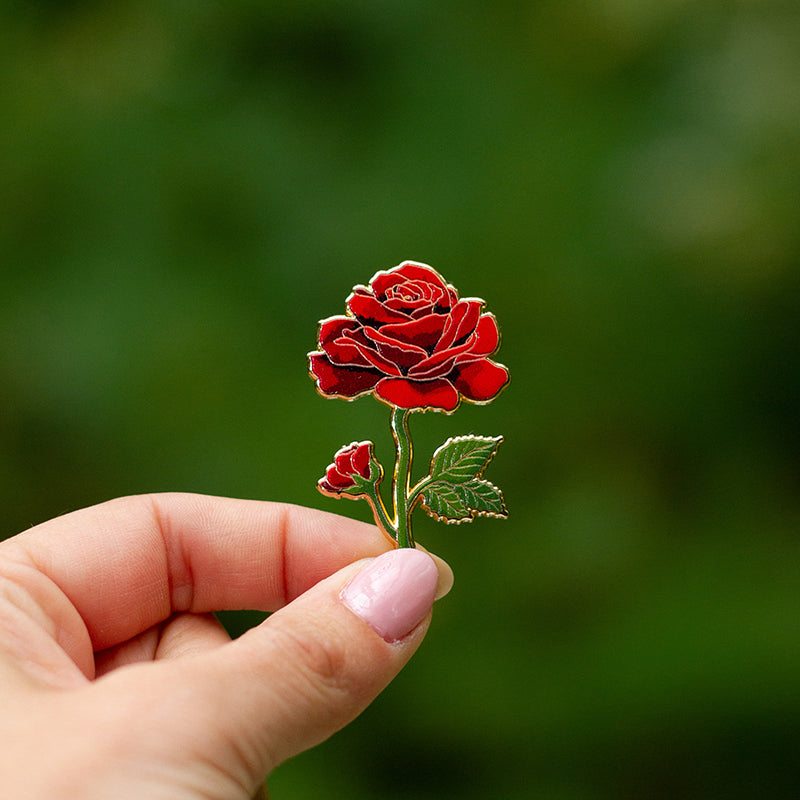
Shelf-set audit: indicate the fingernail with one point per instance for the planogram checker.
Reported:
(394, 593)
(445, 571)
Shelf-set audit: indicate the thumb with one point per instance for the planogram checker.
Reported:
(313, 666)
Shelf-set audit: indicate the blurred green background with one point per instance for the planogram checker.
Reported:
(186, 188)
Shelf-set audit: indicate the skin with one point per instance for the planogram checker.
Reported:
(117, 681)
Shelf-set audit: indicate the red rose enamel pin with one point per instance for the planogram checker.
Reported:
(409, 340)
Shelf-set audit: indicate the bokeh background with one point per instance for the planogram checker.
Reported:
(186, 188)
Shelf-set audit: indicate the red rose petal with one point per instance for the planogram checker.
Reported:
(333, 327)
(487, 336)
(370, 311)
(361, 459)
(462, 322)
(336, 381)
(407, 271)
(337, 480)
(479, 381)
(405, 357)
(339, 349)
(422, 333)
(344, 460)
(483, 342)
(413, 299)
(345, 353)
(413, 308)
(437, 366)
(418, 394)
(376, 359)
(412, 291)
(442, 361)
(382, 282)
(414, 271)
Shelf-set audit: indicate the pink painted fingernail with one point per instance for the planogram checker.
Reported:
(393, 593)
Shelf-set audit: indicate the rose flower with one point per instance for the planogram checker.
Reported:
(410, 340)
(350, 463)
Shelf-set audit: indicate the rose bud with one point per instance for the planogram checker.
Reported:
(352, 468)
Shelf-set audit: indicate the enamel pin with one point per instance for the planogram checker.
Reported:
(409, 340)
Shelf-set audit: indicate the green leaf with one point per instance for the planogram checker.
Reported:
(484, 499)
(462, 502)
(442, 501)
(463, 458)
(361, 486)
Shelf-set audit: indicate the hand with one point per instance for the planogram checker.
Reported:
(117, 681)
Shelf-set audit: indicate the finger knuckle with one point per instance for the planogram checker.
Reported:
(319, 662)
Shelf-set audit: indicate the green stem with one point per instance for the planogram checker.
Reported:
(414, 494)
(379, 512)
(402, 474)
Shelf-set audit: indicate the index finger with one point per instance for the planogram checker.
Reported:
(128, 564)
